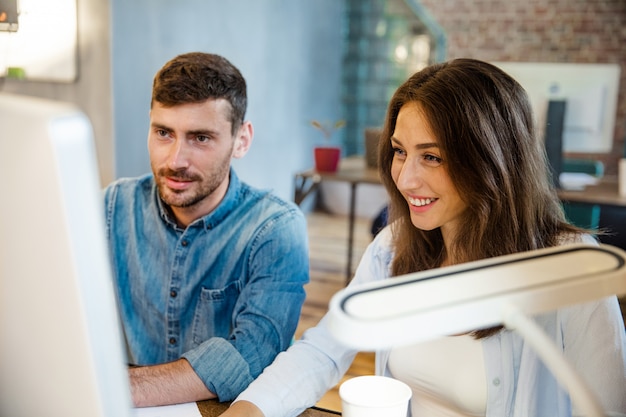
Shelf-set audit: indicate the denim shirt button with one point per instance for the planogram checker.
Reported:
(184, 243)
(173, 293)
(172, 341)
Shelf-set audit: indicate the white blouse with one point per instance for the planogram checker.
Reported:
(447, 376)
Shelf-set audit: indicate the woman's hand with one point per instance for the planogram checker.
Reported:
(242, 409)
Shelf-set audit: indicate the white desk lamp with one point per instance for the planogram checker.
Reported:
(462, 298)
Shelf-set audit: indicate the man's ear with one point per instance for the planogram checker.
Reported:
(243, 140)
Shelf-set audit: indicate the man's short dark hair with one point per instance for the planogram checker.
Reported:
(196, 77)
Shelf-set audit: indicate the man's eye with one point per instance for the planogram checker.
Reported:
(202, 139)
(162, 132)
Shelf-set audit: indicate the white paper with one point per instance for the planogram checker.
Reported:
(177, 410)
(576, 180)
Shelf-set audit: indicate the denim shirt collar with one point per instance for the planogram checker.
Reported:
(219, 213)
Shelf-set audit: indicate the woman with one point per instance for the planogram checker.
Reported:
(467, 180)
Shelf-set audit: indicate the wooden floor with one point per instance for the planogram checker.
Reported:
(328, 237)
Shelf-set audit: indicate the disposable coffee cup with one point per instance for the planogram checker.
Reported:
(374, 396)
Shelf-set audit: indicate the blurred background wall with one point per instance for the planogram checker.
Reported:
(288, 51)
(577, 31)
(303, 60)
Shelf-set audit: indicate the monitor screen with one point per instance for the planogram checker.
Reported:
(62, 352)
(8, 15)
(590, 93)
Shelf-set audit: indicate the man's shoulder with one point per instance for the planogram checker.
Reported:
(129, 188)
(268, 212)
(266, 199)
(132, 183)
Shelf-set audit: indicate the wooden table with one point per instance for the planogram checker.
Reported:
(352, 170)
(213, 408)
(605, 193)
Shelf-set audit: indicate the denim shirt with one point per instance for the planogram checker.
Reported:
(225, 293)
(590, 335)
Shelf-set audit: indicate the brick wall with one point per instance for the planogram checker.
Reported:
(582, 31)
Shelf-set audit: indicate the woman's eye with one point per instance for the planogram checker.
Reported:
(398, 151)
(432, 159)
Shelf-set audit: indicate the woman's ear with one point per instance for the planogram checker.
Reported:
(243, 140)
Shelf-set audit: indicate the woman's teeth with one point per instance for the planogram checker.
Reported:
(420, 201)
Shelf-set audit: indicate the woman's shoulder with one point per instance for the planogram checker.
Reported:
(383, 237)
(376, 260)
(381, 247)
(573, 238)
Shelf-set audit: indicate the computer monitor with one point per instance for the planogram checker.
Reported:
(62, 352)
(590, 91)
(8, 16)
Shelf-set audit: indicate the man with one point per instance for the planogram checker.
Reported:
(210, 271)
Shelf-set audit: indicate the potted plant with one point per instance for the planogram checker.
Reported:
(327, 156)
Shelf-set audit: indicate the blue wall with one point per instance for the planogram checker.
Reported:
(289, 51)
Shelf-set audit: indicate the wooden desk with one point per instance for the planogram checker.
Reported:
(612, 209)
(213, 408)
(353, 171)
(605, 193)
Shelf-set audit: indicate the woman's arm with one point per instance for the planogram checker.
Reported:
(299, 377)
(243, 409)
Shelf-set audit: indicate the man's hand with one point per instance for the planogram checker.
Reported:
(242, 409)
(169, 383)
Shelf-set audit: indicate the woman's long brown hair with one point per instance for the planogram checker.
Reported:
(483, 121)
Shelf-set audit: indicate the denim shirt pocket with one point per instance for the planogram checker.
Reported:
(214, 311)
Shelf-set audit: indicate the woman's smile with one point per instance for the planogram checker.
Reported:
(420, 201)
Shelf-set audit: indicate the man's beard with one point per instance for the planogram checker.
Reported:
(187, 198)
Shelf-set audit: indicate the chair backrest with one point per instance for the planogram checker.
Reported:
(587, 166)
(581, 214)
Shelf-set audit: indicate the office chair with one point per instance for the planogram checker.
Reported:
(582, 214)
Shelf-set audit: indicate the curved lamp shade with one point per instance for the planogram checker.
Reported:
(474, 295)
(482, 294)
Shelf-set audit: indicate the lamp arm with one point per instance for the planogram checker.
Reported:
(579, 392)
